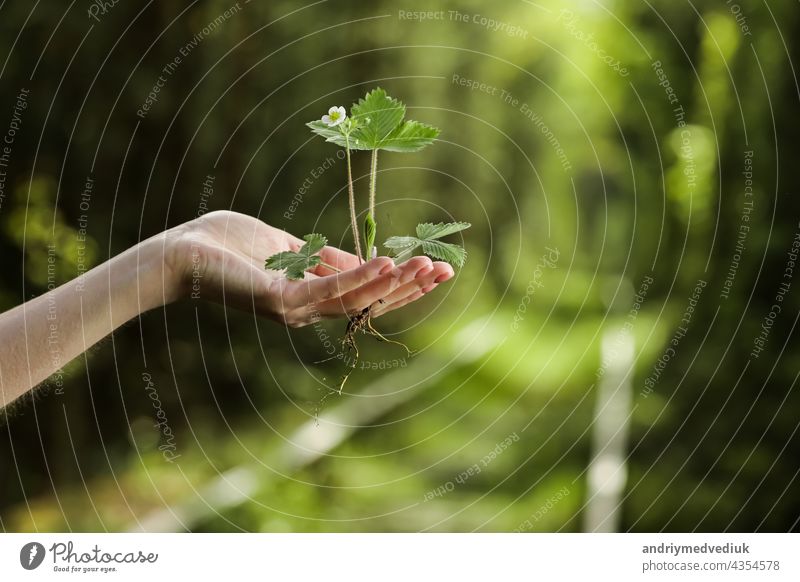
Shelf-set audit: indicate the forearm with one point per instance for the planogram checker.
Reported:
(41, 336)
(225, 250)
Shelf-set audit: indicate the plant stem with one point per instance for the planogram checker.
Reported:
(373, 178)
(331, 267)
(352, 199)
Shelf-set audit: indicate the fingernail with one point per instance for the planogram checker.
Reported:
(387, 268)
(441, 278)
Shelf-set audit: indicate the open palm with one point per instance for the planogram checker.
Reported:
(220, 257)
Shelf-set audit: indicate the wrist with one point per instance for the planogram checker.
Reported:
(160, 271)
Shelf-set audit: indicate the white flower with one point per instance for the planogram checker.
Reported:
(335, 116)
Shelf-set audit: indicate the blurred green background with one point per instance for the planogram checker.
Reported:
(536, 401)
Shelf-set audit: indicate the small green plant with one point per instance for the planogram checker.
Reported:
(297, 263)
(376, 122)
(428, 236)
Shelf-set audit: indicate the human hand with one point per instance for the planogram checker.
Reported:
(221, 255)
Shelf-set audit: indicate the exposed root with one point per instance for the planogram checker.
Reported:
(361, 323)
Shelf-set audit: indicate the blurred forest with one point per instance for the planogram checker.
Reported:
(624, 165)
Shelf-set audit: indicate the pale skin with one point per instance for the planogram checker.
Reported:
(218, 257)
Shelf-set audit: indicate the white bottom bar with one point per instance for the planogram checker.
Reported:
(400, 557)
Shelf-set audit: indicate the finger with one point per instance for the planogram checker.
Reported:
(337, 258)
(376, 290)
(413, 294)
(384, 309)
(444, 270)
(320, 289)
(438, 272)
(422, 285)
(418, 283)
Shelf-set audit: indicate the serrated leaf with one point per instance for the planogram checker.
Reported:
(331, 134)
(427, 238)
(453, 254)
(297, 263)
(370, 230)
(377, 116)
(401, 243)
(429, 230)
(411, 136)
(376, 123)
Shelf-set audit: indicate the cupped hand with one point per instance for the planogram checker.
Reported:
(220, 256)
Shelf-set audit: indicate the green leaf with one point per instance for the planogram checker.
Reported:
(380, 126)
(297, 263)
(411, 136)
(453, 254)
(376, 123)
(427, 238)
(370, 229)
(331, 134)
(427, 230)
(401, 244)
(377, 116)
